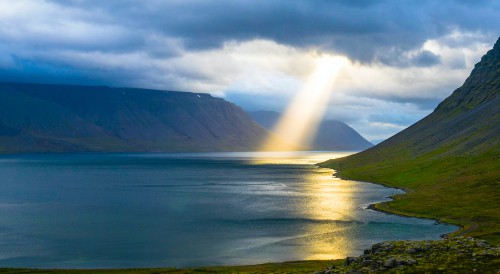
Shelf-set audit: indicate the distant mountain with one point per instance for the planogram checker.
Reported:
(267, 119)
(66, 118)
(451, 158)
(332, 135)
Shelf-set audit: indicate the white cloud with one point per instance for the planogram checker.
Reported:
(362, 91)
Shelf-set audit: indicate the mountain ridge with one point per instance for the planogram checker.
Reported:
(73, 118)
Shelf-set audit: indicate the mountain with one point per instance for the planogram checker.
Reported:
(67, 118)
(331, 135)
(450, 160)
(267, 119)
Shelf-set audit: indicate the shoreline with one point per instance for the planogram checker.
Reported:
(305, 266)
(376, 206)
(379, 206)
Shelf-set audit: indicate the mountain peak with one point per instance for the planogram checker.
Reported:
(331, 134)
(481, 86)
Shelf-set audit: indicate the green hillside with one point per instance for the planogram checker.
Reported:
(449, 162)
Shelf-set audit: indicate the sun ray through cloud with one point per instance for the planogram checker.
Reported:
(300, 121)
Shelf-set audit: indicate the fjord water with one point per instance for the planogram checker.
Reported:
(151, 210)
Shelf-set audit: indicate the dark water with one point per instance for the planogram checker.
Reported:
(147, 210)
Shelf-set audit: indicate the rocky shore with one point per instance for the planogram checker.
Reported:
(450, 255)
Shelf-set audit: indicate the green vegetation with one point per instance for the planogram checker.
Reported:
(458, 255)
(457, 190)
(286, 267)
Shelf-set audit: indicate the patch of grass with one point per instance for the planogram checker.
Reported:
(286, 267)
(462, 190)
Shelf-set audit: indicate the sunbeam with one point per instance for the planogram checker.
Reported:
(300, 121)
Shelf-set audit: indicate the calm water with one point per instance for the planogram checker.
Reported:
(146, 210)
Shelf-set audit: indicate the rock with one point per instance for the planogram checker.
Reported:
(410, 261)
(411, 250)
(389, 263)
(482, 244)
(436, 256)
(382, 247)
(388, 247)
(325, 271)
(349, 261)
(425, 247)
(366, 262)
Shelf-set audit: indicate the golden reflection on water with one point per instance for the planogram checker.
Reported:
(328, 201)
(295, 157)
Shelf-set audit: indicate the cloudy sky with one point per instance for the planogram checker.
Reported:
(404, 57)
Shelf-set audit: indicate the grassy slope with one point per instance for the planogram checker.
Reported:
(458, 190)
(449, 162)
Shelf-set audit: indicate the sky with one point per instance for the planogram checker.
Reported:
(403, 57)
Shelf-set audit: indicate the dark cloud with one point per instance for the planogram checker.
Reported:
(398, 58)
(363, 30)
(40, 72)
(359, 29)
(426, 58)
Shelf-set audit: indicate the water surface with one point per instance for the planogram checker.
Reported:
(151, 210)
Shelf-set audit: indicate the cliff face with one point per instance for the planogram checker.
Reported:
(63, 118)
(331, 134)
(482, 86)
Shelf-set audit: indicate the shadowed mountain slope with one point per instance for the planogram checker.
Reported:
(451, 158)
(331, 135)
(65, 118)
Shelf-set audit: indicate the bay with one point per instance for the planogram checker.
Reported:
(188, 209)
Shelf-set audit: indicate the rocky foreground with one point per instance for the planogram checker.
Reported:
(452, 255)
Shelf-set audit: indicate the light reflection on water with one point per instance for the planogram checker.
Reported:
(327, 201)
(330, 201)
(291, 157)
(148, 210)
